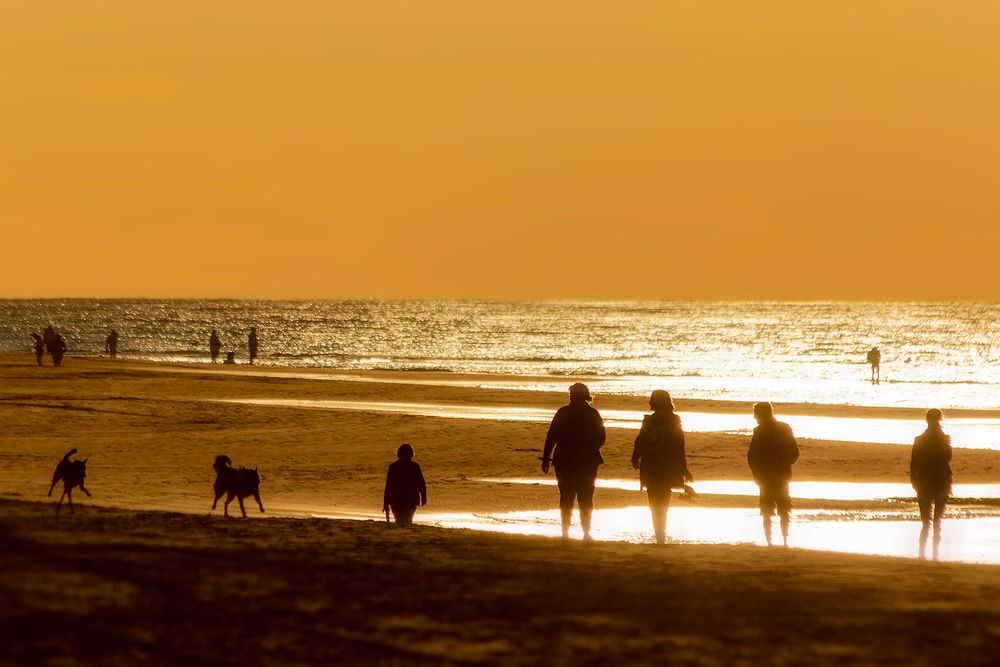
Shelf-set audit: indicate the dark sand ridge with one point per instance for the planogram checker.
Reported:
(151, 437)
(113, 587)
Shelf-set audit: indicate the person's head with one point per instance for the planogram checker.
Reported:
(579, 392)
(763, 412)
(253, 329)
(404, 453)
(934, 417)
(660, 400)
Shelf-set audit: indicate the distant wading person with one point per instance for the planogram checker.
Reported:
(772, 452)
(39, 347)
(875, 360)
(404, 487)
(930, 474)
(576, 435)
(252, 344)
(111, 344)
(660, 458)
(214, 345)
(57, 348)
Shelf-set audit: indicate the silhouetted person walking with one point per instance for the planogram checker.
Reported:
(214, 345)
(111, 344)
(930, 474)
(39, 347)
(659, 456)
(875, 360)
(573, 446)
(772, 452)
(404, 487)
(252, 343)
(57, 348)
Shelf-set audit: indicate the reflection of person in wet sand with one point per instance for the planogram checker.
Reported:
(573, 446)
(772, 452)
(659, 456)
(875, 360)
(404, 487)
(214, 345)
(930, 474)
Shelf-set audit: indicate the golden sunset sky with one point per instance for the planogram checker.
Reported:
(696, 149)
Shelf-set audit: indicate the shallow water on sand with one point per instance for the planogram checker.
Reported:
(979, 433)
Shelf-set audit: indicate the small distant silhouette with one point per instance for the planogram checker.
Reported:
(659, 457)
(55, 344)
(772, 452)
(230, 358)
(39, 347)
(252, 343)
(573, 447)
(236, 483)
(930, 475)
(214, 345)
(111, 344)
(404, 487)
(71, 474)
(875, 360)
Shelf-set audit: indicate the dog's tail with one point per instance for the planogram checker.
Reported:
(69, 454)
(221, 461)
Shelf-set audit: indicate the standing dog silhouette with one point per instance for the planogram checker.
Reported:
(236, 482)
(72, 473)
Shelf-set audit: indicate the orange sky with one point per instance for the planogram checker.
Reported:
(581, 149)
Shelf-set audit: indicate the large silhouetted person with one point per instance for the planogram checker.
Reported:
(573, 447)
(214, 345)
(659, 456)
(930, 474)
(111, 344)
(39, 344)
(252, 343)
(772, 452)
(875, 361)
(404, 487)
(57, 348)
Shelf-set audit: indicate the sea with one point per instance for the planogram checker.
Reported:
(933, 354)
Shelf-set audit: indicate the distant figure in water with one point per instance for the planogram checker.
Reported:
(252, 342)
(659, 457)
(57, 348)
(875, 360)
(111, 344)
(576, 435)
(214, 345)
(772, 452)
(39, 347)
(404, 488)
(930, 474)
(230, 358)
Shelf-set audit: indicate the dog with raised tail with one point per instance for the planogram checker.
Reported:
(236, 483)
(72, 474)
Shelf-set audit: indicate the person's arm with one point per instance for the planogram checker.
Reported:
(423, 485)
(750, 454)
(914, 456)
(600, 433)
(680, 433)
(388, 490)
(793, 447)
(639, 439)
(947, 449)
(551, 440)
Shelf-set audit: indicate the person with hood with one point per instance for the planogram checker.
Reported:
(39, 344)
(772, 452)
(404, 488)
(252, 344)
(214, 345)
(57, 348)
(930, 475)
(660, 458)
(573, 447)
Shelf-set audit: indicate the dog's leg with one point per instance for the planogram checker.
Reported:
(256, 496)
(69, 497)
(225, 507)
(85, 491)
(59, 505)
(242, 509)
(216, 501)
(52, 487)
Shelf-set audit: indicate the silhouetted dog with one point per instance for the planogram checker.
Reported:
(237, 483)
(72, 473)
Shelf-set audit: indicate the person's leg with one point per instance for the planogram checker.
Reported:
(659, 501)
(585, 494)
(939, 504)
(924, 503)
(766, 511)
(784, 506)
(566, 496)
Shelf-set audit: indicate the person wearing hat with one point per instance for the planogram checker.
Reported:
(573, 447)
(930, 474)
(772, 452)
(659, 457)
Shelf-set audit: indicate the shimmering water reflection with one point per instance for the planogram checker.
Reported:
(966, 433)
(974, 540)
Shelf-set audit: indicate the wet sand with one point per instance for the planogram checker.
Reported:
(116, 587)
